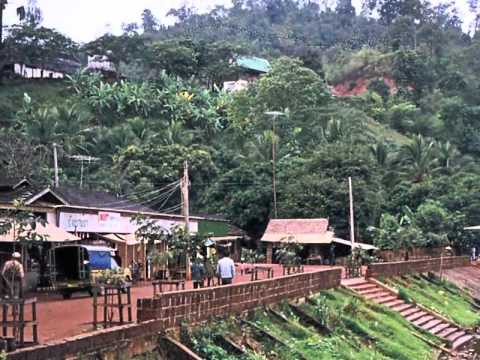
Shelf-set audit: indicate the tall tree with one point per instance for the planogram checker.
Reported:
(149, 22)
(390, 10)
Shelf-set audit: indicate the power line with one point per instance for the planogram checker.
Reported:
(144, 194)
(159, 198)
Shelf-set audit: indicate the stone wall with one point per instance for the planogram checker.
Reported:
(192, 306)
(415, 266)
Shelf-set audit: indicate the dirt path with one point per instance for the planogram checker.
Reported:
(465, 278)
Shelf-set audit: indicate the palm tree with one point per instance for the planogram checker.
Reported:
(379, 152)
(419, 158)
(446, 153)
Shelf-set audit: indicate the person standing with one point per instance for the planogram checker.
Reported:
(226, 270)
(210, 270)
(13, 274)
(198, 274)
(332, 254)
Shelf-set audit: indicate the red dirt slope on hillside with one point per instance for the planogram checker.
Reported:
(359, 87)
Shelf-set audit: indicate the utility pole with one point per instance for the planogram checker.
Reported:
(352, 224)
(274, 115)
(55, 164)
(185, 183)
(3, 3)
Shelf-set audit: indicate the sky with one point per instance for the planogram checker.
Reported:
(86, 20)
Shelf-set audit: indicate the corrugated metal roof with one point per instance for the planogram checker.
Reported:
(254, 63)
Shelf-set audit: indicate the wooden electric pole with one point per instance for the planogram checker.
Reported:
(185, 183)
(274, 115)
(55, 164)
(2, 7)
(352, 223)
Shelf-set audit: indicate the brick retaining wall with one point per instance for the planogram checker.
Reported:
(173, 308)
(413, 254)
(415, 266)
(202, 304)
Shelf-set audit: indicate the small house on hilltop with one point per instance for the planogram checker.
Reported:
(313, 234)
(53, 69)
(103, 65)
(251, 68)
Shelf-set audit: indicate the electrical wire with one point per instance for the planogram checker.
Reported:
(157, 199)
(141, 194)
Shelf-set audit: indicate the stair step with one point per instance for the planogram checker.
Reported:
(354, 282)
(394, 303)
(461, 341)
(368, 291)
(455, 336)
(431, 324)
(450, 330)
(416, 315)
(423, 320)
(364, 286)
(410, 311)
(402, 307)
(378, 294)
(384, 300)
(439, 327)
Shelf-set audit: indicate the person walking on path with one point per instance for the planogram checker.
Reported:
(226, 270)
(13, 274)
(198, 273)
(210, 270)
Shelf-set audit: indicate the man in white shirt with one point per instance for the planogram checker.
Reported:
(226, 270)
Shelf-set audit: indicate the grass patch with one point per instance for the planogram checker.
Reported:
(442, 297)
(384, 333)
(361, 330)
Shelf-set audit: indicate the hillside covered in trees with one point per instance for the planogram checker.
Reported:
(409, 136)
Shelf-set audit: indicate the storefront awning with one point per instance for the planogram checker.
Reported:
(129, 239)
(224, 238)
(355, 244)
(50, 232)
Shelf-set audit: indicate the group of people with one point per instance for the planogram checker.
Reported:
(206, 270)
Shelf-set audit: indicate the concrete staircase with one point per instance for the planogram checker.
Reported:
(420, 317)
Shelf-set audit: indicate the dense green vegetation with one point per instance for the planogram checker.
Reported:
(442, 297)
(361, 330)
(411, 148)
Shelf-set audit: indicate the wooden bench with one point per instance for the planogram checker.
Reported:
(160, 286)
(261, 269)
